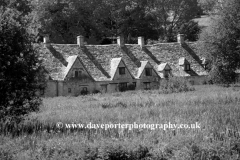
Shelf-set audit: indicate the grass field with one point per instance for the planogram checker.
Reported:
(217, 109)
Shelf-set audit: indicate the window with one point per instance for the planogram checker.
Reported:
(122, 87)
(78, 73)
(187, 67)
(104, 88)
(148, 71)
(147, 85)
(166, 73)
(69, 90)
(121, 70)
(84, 91)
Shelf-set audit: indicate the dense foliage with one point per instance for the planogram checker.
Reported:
(20, 67)
(99, 19)
(222, 42)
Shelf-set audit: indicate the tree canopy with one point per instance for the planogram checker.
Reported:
(222, 42)
(63, 20)
(20, 67)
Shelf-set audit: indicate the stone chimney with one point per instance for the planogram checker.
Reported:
(120, 41)
(46, 39)
(180, 38)
(80, 41)
(141, 41)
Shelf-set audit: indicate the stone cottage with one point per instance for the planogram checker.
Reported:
(75, 69)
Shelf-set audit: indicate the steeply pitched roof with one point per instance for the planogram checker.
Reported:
(183, 61)
(97, 58)
(70, 60)
(143, 66)
(164, 66)
(140, 69)
(114, 65)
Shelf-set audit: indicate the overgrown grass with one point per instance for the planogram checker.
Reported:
(215, 108)
(175, 85)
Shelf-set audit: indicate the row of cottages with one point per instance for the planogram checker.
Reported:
(76, 69)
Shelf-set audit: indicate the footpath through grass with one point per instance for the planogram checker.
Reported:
(216, 109)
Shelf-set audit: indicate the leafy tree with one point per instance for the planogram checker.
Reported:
(63, 20)
(130, 19)
(222, 42)
(20, 67)
(191, 30)
(170, 15)
(210, 6)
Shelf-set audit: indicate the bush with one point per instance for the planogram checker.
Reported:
(174, 85)
(84, 92)
(96, 91)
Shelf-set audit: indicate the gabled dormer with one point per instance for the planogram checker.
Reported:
(184, 64)
(146, 70)
(119, 70)
(205, 63)
(165, 70)
(76, 70)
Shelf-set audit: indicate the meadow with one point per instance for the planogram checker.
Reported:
(216, 108)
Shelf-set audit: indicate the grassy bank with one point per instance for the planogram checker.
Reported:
(216, 109)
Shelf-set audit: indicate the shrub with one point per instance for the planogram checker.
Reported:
(174, 85)
(84, 92)
(96, 91)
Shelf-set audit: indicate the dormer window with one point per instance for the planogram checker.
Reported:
(148, 71)
(166, 73)
(187, 67)
(165, 70)
(183, 62)
(78, 73)
(121, 70)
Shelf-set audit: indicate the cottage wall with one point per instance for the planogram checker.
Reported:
(122, 78)
(153, 80)
(91, 70)
(51, 89)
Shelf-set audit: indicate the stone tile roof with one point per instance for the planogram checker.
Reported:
(140, 69)
(69, 50)
(97, 58)
(114, 65)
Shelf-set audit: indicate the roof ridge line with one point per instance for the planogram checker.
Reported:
(57, 55)
(135, 60)
(95, 61)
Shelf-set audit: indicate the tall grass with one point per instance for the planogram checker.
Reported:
(216, 109)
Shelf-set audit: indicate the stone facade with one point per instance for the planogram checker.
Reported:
(76, 69)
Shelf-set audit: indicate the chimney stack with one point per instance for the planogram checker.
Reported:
(141, 41)
(46, 39)
(120, 41)
(80, 41)
(180, 38)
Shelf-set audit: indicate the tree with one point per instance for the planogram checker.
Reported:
(170, 15)
(210, 6)
(191, 30)
(20, 67)
(222, 42)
